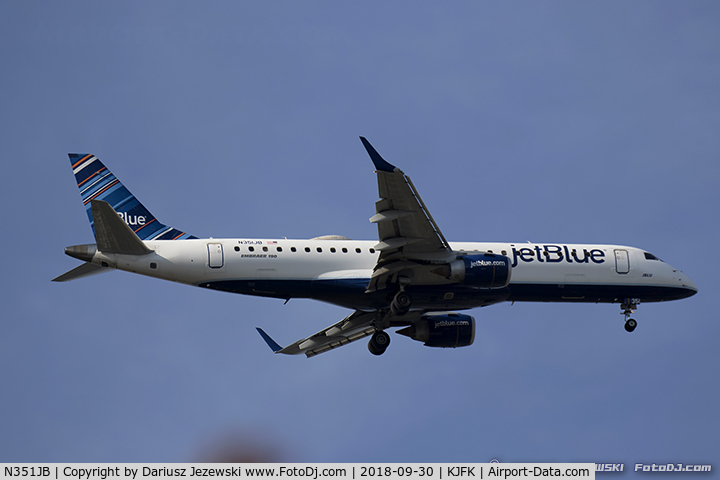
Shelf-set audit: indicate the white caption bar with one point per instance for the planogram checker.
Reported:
(296, 471)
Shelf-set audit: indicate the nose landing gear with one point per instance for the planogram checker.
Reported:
(628, 308)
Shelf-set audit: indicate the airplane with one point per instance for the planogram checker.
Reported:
(411, 278)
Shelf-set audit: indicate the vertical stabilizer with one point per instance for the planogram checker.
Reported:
(96, 182)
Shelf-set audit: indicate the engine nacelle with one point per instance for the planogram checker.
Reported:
(444, 330)
(483, 270)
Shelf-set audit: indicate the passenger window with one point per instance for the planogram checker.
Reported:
(307, 249)
(237, 249)
(252, 249)
(264, 249)
(319, 249)
(293, 249)
(344, 250)
(357, 250)
(372, 250)
(279, 249)
(332, 249)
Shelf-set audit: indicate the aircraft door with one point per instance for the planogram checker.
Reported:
(622, 261)
(215, 255)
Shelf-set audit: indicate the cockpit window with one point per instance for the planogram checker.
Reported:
(650, 256)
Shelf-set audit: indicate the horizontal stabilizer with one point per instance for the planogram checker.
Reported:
(112, 234)
(84, 270)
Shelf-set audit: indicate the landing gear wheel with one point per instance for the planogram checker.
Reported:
(628, 307)
(401, 303)
(379, 342)
(630, 325)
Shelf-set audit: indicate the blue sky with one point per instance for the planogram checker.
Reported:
(529, 121)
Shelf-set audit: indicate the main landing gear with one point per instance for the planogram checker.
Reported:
(399, 306)
(401, 303)
(379, 342)
(628, 308)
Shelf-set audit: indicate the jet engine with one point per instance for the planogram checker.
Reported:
(483, 270)
(444, 330)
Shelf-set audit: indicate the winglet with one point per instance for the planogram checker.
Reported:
(380, 163)
(271, 343)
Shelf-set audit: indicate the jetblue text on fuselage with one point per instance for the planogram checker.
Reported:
(555, 254)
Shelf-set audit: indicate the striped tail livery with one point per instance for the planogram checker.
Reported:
(96, 182)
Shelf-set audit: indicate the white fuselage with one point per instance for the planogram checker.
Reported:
(337, 271)
(410, 277)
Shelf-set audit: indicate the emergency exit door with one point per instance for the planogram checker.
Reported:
(215, 255)
(622, 261)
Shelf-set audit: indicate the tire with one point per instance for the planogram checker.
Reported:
(401, 303)
(630, 325)
(378, 343)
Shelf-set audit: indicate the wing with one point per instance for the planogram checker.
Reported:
(353, 327)
(410, 240)
(407, 232)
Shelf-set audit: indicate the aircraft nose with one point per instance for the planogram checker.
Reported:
(689, 286)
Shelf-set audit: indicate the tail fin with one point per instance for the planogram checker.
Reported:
(96, 182)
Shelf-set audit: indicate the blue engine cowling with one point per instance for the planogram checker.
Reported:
(483, 270)
(444, 330)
